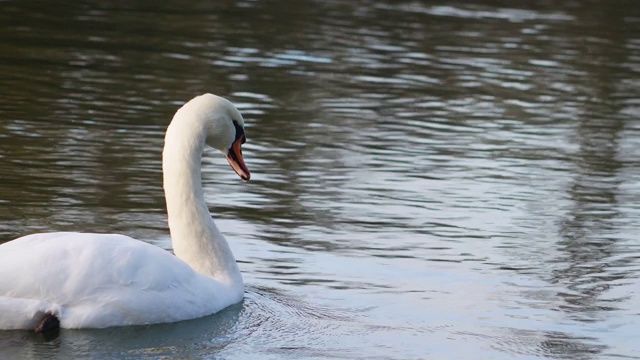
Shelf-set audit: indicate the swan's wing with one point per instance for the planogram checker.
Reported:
(60, 265)
(98, 280)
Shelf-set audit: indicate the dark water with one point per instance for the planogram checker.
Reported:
(442, 180)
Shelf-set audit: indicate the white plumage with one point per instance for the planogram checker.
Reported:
(102, 280)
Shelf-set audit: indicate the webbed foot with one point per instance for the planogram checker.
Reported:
(49, 322)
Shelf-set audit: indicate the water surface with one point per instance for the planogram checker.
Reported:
(448, 180)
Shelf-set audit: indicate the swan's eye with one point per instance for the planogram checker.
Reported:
(239, 132)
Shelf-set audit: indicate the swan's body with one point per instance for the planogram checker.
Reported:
(102, 280)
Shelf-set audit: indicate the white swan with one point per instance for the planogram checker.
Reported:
(82, 280)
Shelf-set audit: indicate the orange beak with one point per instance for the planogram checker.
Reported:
(234, 156)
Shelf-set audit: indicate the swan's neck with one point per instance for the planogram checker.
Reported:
(195, 237)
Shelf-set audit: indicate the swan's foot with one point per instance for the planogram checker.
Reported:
(49, 322)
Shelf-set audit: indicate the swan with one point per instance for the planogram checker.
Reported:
(84, 280)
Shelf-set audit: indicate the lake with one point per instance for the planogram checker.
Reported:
(430, 180)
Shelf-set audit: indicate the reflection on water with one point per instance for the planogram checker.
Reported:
(212, 333)
(444, 180)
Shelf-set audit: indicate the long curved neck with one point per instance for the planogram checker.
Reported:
(195, 237)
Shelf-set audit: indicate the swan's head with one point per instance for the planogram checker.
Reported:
(222, 125)
(225, 132)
